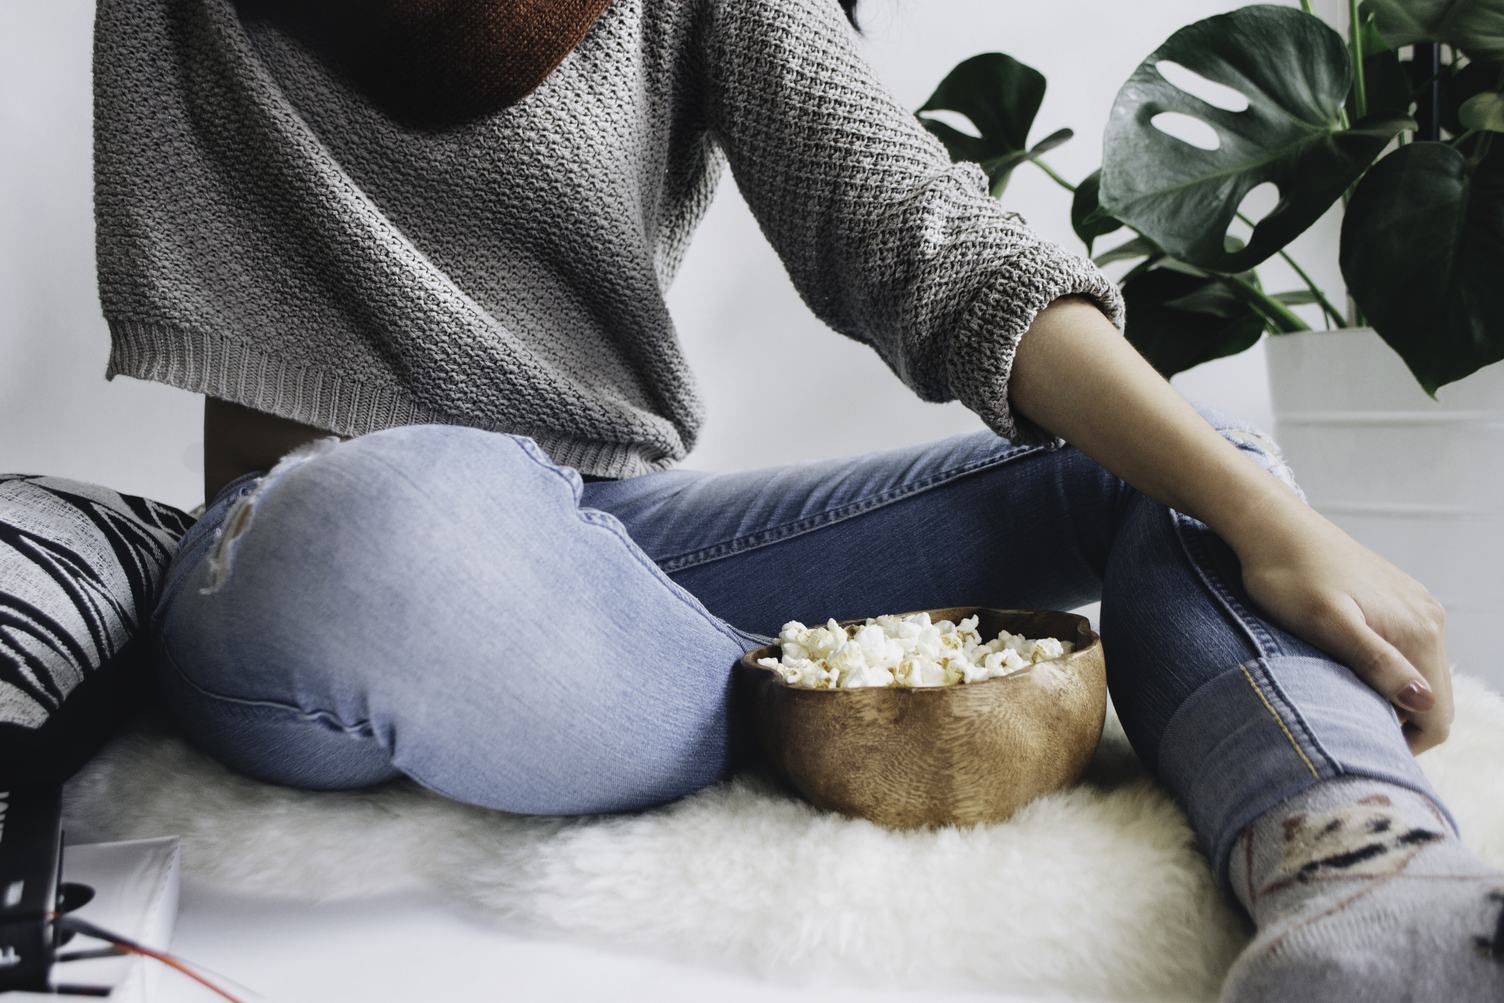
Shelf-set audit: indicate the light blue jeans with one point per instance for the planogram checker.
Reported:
(446, 603)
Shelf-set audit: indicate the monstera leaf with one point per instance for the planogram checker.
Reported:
(1484, 112)
(1177, 320)
(1474, 83)
(1138, 247)
(1422, 243)
(1087, 217)
(1295, 73)
(1474, 26)
(1000, 96)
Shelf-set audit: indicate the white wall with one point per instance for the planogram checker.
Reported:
(738, 315)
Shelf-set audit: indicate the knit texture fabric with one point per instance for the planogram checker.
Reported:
(269, 234)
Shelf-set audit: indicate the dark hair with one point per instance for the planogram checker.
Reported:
(849, 6)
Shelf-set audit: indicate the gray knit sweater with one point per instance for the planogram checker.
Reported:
(267, 236)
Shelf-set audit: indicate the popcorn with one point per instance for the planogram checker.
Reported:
(902, 650)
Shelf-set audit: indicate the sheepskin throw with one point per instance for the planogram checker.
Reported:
(1095, 891)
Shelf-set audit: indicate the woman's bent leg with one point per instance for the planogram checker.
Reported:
(389, 592)
(432, 600)
(1233, 713)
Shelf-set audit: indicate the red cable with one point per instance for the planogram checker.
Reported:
(93, 930)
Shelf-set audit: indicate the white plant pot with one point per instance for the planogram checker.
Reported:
(1420, 481)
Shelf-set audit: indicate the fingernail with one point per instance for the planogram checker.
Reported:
(1417, 697)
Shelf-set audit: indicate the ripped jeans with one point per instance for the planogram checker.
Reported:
(447, 603)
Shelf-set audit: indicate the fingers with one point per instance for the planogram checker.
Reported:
(1344, 631)
(1403, 659)
(1421, 639)
(1368, 614)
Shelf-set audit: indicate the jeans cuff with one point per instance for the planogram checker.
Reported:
(1265, 731)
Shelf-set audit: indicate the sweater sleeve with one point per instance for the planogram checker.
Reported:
(886, 239)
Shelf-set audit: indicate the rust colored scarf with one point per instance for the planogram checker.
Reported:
(437, 63)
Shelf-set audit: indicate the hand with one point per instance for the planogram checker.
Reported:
(1076, 376)
(1317, 582)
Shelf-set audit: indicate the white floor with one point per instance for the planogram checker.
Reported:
(419, 947)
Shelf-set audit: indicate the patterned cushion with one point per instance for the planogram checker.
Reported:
(80, 566)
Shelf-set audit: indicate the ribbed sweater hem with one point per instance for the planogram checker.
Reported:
(212, 364)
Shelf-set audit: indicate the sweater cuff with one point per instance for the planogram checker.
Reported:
(980, 361)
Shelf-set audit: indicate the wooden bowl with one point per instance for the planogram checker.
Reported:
(940, 755)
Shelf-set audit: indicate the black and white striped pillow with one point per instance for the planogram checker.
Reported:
(80, 567)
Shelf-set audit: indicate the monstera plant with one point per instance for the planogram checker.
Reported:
(1271, 96)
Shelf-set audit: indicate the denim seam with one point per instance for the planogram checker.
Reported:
(534, 452)
(1218, 830)
(1279, 721)
(776, 534)
(1262, 640)
(1291, 715)
(758, 640)
(363, 729)
(360, 728)
(1284, 714)
(1260, 447)
(1268, 647)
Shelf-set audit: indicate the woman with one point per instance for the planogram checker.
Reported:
(414, 256)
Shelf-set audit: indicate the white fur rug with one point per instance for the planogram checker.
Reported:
(1094, 892)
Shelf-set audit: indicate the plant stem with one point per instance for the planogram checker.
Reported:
(1054, 177)
(1483, 145)
(1360, 89)
(1360, 105)
(1276, 314)
(1488, 135)
(1321, 300)
(1284, 314)
(1326, 305)
(1426, 57)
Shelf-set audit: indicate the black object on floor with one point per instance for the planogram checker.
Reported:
(32, 894)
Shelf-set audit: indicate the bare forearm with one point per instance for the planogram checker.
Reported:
(1076, 376)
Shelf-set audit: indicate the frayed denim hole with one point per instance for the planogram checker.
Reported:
(1265, 450)
(238, 519)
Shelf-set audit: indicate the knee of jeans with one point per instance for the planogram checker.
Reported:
(1252, 440)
